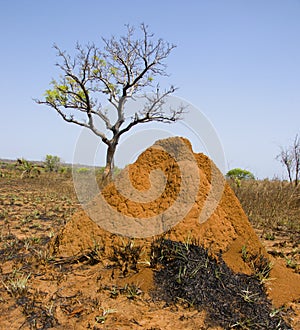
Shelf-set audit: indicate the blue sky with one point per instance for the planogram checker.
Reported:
(236, 61)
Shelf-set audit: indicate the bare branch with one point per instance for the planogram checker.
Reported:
(290, 159)
(124, 67)
(154, 111)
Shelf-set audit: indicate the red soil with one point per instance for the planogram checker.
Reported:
(227, 230)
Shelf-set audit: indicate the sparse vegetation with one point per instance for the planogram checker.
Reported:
(33, 209)
(52, 163)
(27, 168)
(17, 284)
(105, 312)
(126, 257)
(271, 206)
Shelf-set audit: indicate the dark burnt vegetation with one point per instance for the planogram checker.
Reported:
(188, 273)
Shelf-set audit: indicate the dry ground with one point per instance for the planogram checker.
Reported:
(39, 292)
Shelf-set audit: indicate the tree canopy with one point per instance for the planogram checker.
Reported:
(122, 69)
(238, 174)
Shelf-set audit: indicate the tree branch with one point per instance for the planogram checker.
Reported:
(153, 111)
(118, 71)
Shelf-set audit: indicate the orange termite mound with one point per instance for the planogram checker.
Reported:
(224, 229)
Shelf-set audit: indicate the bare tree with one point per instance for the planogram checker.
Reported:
(296, 152)
(122, 69)
(290, 159)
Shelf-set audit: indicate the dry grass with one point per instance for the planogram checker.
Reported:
(273, 208)
(271, 205)
(33, 209)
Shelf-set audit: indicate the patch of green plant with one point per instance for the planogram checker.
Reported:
(103, 317)
(270, 236)
(83, 170)
(259, 264)
(132, 291)
(114, 292)
(17, 285)
(35, 240)
(11, 247)
(245, 254)
(42, 256)
(66, 170)
(291, 263)
(52, 163)
(3, 214)
(27, 168)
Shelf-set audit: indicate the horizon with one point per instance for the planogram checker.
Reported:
(238, 63)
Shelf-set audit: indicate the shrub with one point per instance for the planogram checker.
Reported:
(237, 175)
(67, 170)
(83, 170)
(52, 163)
(28, 169)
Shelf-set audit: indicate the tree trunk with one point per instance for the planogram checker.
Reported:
(297, 167)
(108, 170)
(289, 174)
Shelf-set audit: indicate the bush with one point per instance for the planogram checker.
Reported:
(28, 168)
(66, 170)
(237, 175)
(52, 163)
(83, 170)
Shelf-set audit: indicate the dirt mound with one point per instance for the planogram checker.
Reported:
(213, 217)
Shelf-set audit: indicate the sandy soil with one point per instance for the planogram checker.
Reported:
(57, 270)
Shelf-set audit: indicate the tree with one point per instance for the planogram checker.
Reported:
(120, 71)
(237, 175)
(52, 163)
(289, 157)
